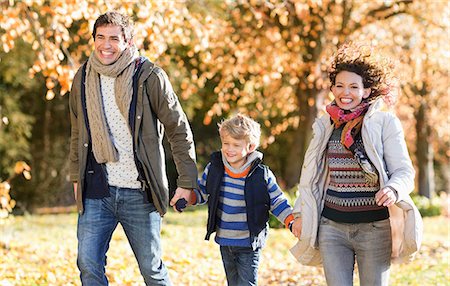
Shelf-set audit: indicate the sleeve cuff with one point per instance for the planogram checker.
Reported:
(288, 220)
(74, 177)
(193, 198)
(297, 215)
(395, 192)
(187, 184)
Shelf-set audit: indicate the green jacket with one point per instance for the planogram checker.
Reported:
(157, 110)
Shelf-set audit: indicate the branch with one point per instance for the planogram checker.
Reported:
(380, 13)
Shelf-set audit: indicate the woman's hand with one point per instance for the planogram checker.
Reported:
(386, 197)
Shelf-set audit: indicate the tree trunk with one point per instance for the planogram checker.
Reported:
(424, 153)
(307, 112)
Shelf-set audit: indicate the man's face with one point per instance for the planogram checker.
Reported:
(109, 43)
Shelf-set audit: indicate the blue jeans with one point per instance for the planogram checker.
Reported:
(241, 265)
(370, 243)
(141, 223)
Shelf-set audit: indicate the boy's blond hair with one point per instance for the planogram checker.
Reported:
(240, 127)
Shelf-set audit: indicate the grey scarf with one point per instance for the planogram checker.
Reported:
(122, 70)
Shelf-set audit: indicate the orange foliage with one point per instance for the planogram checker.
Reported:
(266, 58)
(60, 32)
(6, 202)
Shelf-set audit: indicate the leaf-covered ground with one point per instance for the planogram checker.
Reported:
(41, 250)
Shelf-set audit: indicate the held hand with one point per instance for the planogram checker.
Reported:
(181, 199)
(297, 227)
(386, 197)
(180, 205)
(75, 185)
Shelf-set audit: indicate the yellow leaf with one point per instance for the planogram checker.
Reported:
(50, 95)
(27, 175)
(20, 167)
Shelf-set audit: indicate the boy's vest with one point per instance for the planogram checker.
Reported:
(256, 195)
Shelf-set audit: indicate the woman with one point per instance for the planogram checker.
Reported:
(354, 201)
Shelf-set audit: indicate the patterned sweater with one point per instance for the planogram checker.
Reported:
(122, 173)
(349, 198)
(232, 227)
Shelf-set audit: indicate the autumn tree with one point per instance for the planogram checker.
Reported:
(270, 61)
(425, 63)
(44, 43)
(15, 123)
(264, 58)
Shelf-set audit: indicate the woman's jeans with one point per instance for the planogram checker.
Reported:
(370, 243)
(241, 265)
(141, 223)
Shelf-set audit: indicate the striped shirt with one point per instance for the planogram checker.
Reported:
(232, 227)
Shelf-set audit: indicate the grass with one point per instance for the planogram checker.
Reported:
(41, 250)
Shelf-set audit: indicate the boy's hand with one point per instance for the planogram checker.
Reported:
(177, 201)
(297, 227)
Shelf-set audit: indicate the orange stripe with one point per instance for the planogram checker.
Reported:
(237, 175)
(192, 198)
(288, 220)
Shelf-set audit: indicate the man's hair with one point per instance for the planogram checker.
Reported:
(240, 127)
(376, 71)
(114, 18)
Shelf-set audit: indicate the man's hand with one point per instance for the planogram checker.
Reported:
(180, 194)
(75, 190)
(297, 227)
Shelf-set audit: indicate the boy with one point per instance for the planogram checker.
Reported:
(240, 192)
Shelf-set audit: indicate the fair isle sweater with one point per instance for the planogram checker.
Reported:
(232, 227)
(349, 198)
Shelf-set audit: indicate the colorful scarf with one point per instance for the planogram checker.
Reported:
(123, 69)
(353, 122)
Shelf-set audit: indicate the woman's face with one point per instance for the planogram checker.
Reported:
(349, 90)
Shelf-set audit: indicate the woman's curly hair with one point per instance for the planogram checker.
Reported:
(376, 71)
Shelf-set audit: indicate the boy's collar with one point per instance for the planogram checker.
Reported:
(251, 157)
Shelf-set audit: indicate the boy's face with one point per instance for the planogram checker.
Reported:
(109, 43)
(235, 150)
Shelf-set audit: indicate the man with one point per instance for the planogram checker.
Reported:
(120, 105)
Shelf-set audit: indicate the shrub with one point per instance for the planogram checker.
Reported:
(426, 206)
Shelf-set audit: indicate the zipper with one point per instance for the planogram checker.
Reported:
(254, 166)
